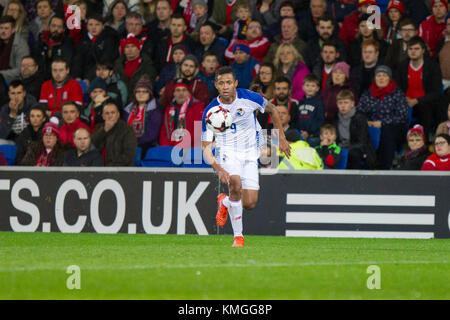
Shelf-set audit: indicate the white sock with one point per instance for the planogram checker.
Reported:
(226, 202)
(235, 211)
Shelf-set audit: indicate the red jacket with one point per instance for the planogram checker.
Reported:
(350, 28)
(436, 163)
(67, 130)
(199, 90)
(432, 32)
(194, 113)
(54, 97)
(258, 48)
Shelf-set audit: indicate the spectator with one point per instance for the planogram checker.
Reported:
(30, 7)
(169, 72)
(3, 90)
(421, 80)
(207, 72)
(245, 66)
(31, 77)
(148, 10)
(199, 18)
(47, 151)
(163, 52)
(349, 27)
(159, 27)
(132, 63)
(444, 127)
(417, 152)
(115, 88)
(188, 70)
(115, 139)
(84, 154)
(42, 21)
(432, 29)
(78, 26)
(144, 115)
(418, 11)
(340, 9)
(398, 51)
(33, 132)
(52, 44)
(328, 150)
(329, 56)
(289, 34)
(178, 127)
(266, 11)
(12, 49)
(15, 9)
(386, 108)
(326, 31)
(60, 88)
(340, 80)
(285, 118)
(115, 18)
(440, 159)
(443, 55)
(310, 111)
(98, 95)
(209, 42)
(71, 118)
(286, 9)
(364, 73)
(264, 83)
(395, 13)
(257, 42)
(244, 16)
(224, 13)
(353, 133)
(365, 33)
(13, 116)
(308, 24)
(282, 96)
(99, 43)
(290, 64)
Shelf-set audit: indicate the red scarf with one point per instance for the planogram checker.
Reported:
(136, 120)
(180, 123)
(230, 7)
(46, 38)
(45, 159)
(381, 93)
(131, 67)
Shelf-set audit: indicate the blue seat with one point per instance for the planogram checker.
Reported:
(84, 88)
(161, 156)
(9, 152)
(343, 160)
(223, 42)
(411, 119)
(193, 158)
(137, 157)
(375, 135)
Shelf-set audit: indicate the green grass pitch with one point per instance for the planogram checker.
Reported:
(34, 265)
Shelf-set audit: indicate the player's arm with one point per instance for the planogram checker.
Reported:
(209, 158)
(282, 143)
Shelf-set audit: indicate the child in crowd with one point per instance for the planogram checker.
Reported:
(244, 17)
(328, 150)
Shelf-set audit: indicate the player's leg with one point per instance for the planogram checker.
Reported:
(235, 209)
(249, 198)
(250, 185)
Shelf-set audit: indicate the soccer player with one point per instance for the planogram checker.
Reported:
(237, 148)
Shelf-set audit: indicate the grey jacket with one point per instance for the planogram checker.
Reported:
(19, 50)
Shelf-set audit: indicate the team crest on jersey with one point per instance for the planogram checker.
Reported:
(240, 112)
(65, 95)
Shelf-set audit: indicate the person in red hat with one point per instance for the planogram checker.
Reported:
(417, 151)
(47, 152)
(394, 13)
(349, 28)
(180, 118)
(432, 29)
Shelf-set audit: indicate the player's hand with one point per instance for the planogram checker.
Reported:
(224, 177)
(285, 147)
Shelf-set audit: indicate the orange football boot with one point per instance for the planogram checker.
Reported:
(222, 213)
(238, 241)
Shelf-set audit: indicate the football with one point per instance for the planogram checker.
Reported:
(218, 119)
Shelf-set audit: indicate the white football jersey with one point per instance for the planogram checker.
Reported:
(244, 135)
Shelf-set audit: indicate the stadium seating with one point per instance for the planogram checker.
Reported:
(137, 157)
(84, 88)
(161, 156)
(193, 158)
(9, 152)
(343, 160)
(375, 135)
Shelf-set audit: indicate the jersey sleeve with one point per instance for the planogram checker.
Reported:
(259, 102)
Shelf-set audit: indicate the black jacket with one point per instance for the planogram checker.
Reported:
(91, 158)
(362, 78)
(354, 51)
(33, 84)
(360, 137)
(415, 163)
(216, 47)
(24, 140)
(312, 54)
(161, 51)
(431, 80)
(6, 122)
(88, 53)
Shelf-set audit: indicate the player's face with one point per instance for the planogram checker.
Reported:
(226, 85)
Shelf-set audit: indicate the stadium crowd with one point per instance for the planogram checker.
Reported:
(87, 82)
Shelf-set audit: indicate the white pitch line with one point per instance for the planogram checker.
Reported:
(238, 265)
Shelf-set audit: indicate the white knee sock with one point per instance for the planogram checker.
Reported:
(235, 211)
(226, 202)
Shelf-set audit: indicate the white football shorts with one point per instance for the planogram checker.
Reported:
(247, 169)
